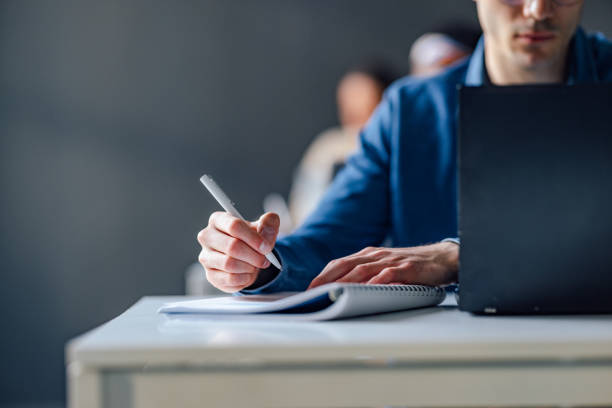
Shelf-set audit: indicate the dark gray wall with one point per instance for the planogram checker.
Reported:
(111, 110)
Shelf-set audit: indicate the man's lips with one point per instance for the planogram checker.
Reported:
(535, 36)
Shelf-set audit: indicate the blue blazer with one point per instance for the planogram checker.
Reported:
(400, 187)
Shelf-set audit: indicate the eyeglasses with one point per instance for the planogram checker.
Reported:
(557, 2)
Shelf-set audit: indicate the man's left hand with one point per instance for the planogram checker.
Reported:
(435, 264)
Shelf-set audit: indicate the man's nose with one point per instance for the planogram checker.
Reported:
(538, 9)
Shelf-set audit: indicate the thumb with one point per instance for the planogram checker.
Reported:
(267, 226)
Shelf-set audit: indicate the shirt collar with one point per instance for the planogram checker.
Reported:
(475, 71)
(581, 62)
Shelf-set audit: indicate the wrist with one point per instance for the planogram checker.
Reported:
(450, 256)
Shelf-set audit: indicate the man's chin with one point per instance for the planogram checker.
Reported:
(536, 57)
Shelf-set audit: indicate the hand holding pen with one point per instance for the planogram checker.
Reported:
(233, 249)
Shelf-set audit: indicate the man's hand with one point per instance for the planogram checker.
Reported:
(233, 251)
(435, 264)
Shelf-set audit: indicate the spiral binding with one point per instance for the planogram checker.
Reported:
(419, 290)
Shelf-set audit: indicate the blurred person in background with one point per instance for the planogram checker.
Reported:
(358, 93)
(401, 184)
(441, 47)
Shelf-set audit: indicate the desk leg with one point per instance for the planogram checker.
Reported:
(83, 387)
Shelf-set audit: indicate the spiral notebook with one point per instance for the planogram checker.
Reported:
(326, 302)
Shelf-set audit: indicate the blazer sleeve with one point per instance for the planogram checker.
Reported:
(353, 213)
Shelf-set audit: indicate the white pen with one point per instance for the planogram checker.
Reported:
(228, 206)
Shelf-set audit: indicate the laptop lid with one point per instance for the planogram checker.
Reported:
(535, 199)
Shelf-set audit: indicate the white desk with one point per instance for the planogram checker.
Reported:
(429, 357)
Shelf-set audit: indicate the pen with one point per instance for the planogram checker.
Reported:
(222, 198)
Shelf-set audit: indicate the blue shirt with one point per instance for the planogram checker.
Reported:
(401, 185)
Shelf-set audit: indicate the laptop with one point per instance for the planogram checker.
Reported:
(535, 199)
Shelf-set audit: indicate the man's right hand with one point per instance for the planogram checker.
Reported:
(233, 250)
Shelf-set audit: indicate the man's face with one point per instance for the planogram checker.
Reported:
(530, 33)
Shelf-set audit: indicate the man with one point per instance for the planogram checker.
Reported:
(401, 185)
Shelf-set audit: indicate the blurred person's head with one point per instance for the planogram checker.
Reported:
(527, 40)
(359, 92)
(441, 46)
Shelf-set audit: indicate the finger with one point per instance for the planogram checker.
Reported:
(201, 237)
(235, 248)
(216, 260)
(362, 273)
(394, 274)
(337, 269)
(229, 282)
(237, 228)
(268, 226)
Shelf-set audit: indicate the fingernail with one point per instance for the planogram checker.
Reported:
(268, 233)
(267, 264)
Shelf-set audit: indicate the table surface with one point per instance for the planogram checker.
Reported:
(141, 336)
(146, 359)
